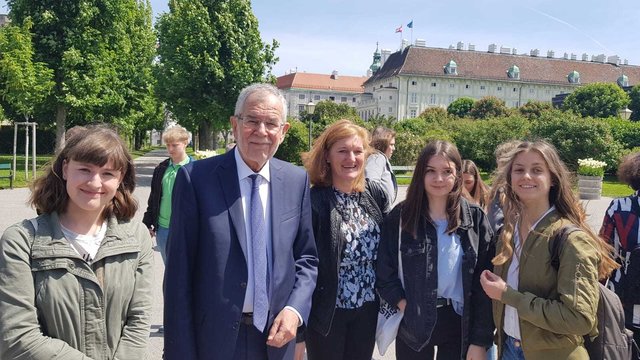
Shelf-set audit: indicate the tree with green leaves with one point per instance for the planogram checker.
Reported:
(208, 51)
(86, 43)
(634, 104)
(488, 107)
(534, 109)
(23, 82)
(461, 107)
(326, 113)
(599, 100)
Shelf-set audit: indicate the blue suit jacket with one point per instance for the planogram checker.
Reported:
(206, 273)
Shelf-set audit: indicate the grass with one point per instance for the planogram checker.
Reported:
(611, 187)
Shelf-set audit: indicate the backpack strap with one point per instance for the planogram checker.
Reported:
(555, 246)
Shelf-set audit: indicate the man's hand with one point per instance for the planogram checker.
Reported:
(152, 232)
(284, 328)
(476, 352)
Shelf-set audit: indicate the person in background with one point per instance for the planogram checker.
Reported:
(620, 229)
(76, 282)
(541, 313)
(242, 261)
(346, 224)
(378, 168)
(158, 214)
(444, 246)
(473, 184)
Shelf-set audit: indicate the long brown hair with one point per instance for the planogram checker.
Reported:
(560, 195)
(315, 161)
(415, 208)
(480, 192)
(95, 145)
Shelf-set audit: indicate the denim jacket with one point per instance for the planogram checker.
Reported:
(419, 263)
(53, 304)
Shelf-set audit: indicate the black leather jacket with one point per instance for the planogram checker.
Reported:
(419, 264)
(150, 217)
(330, 243)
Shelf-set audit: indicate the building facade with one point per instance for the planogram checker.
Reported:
(300, 88)
(419, 77)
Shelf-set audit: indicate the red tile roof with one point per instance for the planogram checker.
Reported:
(483, 65)
(352, 84)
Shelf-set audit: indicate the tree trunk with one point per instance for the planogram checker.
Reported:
(61, 118)
(206, 138)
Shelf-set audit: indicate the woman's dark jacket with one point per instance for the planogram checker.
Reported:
(419, 264)
(150, 217)
(330, 243)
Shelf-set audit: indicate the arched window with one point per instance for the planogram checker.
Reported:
(451, 68)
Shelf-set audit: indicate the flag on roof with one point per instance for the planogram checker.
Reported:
(410, 24)
(399, 30)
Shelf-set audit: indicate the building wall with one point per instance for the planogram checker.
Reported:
(298, 98)
(408, 96)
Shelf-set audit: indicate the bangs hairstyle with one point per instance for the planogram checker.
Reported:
(94, 145)
(315, 161)
(381, 138)
(175, 134)
(629, 171)
(415, 209)
(561, 196)
(480, 192)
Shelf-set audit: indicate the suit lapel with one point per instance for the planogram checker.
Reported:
(276, 191)
(231, 188)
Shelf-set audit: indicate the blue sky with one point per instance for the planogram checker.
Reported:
(324, 35)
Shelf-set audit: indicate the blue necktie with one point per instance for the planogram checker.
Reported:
(259, 247)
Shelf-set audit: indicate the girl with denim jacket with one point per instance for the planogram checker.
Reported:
(541, 313)
(444, 246)
(75, 283)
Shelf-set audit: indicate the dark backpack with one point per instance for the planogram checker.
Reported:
(614, 341)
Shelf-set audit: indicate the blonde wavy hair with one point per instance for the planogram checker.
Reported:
(561, 195)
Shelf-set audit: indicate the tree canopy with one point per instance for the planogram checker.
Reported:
(598, 100)
(208, 51)
(461, 107)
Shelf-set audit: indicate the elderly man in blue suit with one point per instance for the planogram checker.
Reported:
(241, 262)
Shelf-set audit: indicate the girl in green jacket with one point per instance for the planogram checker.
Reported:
(541, 313)
(75, 282)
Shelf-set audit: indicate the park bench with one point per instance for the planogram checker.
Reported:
(403, 168)
(7, 167)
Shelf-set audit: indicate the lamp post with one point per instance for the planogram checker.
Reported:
(625, 113)
(310, 108)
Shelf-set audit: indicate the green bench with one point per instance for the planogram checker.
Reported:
(400, 168)
(7, 167)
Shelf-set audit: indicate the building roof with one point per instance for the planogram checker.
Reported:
(425, 61)
(323, 82)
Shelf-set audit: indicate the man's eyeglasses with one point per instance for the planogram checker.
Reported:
(253, 124)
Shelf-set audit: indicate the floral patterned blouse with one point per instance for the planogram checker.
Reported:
(357, 275)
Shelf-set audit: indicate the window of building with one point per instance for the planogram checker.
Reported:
(432, 99)
(301, 96)
(532, 91)
(353, 100)
(483, 88)
(414, 83)
(390, 109)
(433, 84)
(451, 68)
(343, 99)
(467, 86)
(413, 113)
(452, 85)
(300, 108)
(316, 97)
(390, 97)
(513, 72)
(499, 88)
(332, 98)
(451, 98)
(515, 89)
(414, 97)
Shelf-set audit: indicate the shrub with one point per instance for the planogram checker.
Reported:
(488, 107)
(597, 100)
(461, 107)
(625, 131)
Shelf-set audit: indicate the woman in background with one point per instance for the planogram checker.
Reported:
(473, 184)
(378, 168)
(444, 246)
(76, 281)
(347, 222)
